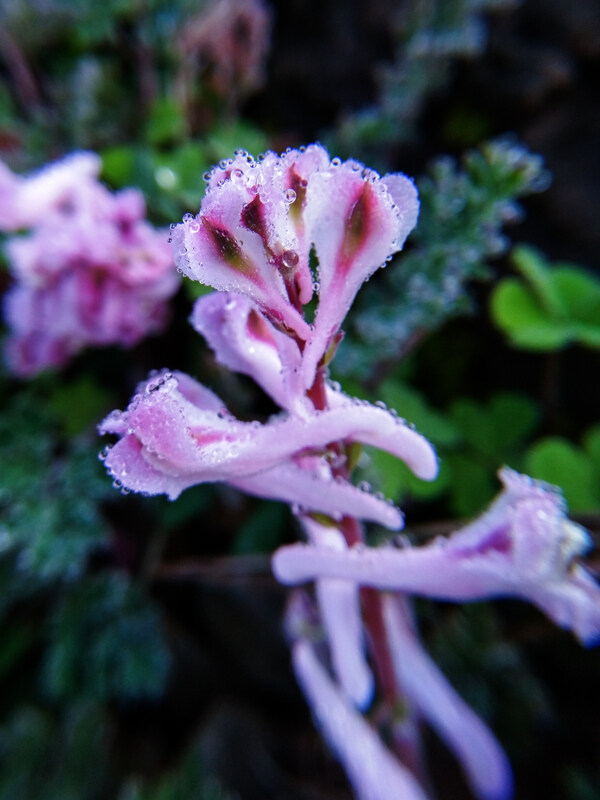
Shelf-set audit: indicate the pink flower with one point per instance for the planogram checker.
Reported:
(259, 221)
(25, 201)
(92, 272)
(176, 433)
(523, 546)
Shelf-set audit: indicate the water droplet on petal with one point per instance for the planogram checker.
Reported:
(290, 258)
(290, 195)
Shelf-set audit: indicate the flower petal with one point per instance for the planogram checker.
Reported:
(245, 341)
(187, 441)
(340, 611)
(372, 770)
(228, 246)
(310, 491)
(487, 559)
(356, 225)
(422, 683)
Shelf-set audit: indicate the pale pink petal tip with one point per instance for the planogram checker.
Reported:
(421, 682)
(371, 768)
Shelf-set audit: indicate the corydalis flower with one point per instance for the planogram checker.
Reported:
(25, 200)
(176, 433)
(523, 546)
(91, 272)
(259, 222)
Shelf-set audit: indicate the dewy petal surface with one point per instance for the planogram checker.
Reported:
(309, 490)
(372, 770)
(245, 341)
(181, 439)
(489, 558)
(355, 223)
(229, 246)
(424, 686)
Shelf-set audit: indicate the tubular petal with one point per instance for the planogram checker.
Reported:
(422, 683)
(372, 770)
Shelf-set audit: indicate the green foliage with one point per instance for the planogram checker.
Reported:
(463, 211)
(45, 514)
(264, 529)
(105, 643)
(171, 178)
(575, 469)
(472, 439)
(43, 757)
(430, 37)
(550, 307)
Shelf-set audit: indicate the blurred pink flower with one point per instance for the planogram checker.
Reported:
(91, 271)
(24, 201)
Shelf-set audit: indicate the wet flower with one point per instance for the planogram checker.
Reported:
(373, 771)
(176, 433)
(523, 546)
(260, 221)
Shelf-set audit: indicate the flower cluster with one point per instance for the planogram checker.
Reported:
(276, 238)
(90, 271)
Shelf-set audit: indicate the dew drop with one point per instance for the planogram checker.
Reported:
(381, 404)
(336, 162)
(290, 258)
(290, 195)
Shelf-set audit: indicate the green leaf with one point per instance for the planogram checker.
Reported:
(540, 277)
(559, 462)
(472, 486)
(167, 122)
(578, 293)
(516, 312)
(79, 404)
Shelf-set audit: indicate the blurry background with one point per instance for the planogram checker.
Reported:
(141, 652)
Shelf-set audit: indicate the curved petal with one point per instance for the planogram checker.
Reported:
(422, 683)
(229, 246)
(487, 559)
(372, 770)
(245, 341)
(356, 223)
(340, 611)
(310, 491)
(181, 439)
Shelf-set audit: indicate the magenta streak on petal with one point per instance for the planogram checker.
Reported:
(422, 683)
(372, 770)
(257, 328)
(357, 230)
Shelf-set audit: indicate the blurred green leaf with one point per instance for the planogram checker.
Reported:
(106, 643)
(562, 463)
(554, 307)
